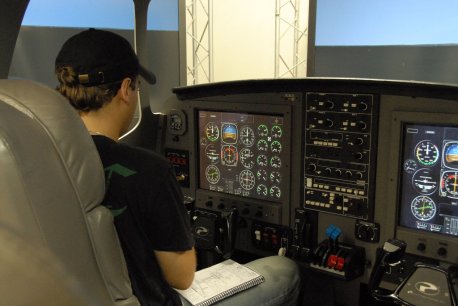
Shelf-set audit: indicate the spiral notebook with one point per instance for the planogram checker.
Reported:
(220, 281)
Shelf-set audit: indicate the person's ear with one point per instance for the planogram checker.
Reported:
(126, 89)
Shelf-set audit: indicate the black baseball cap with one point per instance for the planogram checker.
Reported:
(101, 57)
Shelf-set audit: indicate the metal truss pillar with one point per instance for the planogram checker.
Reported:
(291, 24)
(199, 24)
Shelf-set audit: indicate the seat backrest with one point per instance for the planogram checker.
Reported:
(51, 187)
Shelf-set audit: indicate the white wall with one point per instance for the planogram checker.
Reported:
(244, 39)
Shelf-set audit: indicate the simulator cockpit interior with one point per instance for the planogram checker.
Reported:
(348, 166)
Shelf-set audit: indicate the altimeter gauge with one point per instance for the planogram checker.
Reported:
(247, 136)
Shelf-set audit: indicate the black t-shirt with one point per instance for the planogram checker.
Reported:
(149, 214)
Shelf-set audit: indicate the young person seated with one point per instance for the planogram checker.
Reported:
(98, 72)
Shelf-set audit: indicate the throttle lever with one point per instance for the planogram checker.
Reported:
(390, 254)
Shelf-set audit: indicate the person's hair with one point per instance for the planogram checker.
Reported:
(86, 98)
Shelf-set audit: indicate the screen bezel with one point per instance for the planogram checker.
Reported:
(252, 109)
(411, 236)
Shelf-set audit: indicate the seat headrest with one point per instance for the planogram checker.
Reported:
(66, 131)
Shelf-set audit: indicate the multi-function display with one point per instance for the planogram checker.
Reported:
(242, 154)
(429, 186)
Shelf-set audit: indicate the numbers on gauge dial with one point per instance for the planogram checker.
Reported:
(423, 208)
(262, 190)
(230, 155)
(247, 179)
(261, 175)
(247, 136)
(275, 147)
(212, 174)
(247, 158)
(449, 184)
(263, 130)
(275, 162)
(212, 131)
(426, 153)
(276, 131)
(275, 177)
(410, 166)
(261, 160)
(262, 145)
(275, 192)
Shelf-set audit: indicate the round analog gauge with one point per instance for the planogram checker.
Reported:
(410, 166)
(449, 184)
(247, 179)
(423, 208)
(247, 158)
(212, 153)
(262, 190)
(275, 146)
(247, 136)
(275, 192)
(427, 153)
(212, 131)
(262, 145)
(263, 130)
(262, 160)
(275, 162)
(261, 175)
(424, 182)
(276, 131)
(275, 177)
(230, 155)
(212, 174)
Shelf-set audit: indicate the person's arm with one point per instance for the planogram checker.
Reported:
(178, 268)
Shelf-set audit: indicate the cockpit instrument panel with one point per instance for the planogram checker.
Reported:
(429, 186)
(242, 154)
(339, 163)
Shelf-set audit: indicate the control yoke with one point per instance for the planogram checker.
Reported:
(215, 231)
(427, 285)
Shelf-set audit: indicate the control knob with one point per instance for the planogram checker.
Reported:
(421, 247)
(311, 167)
(362, 106)
(361, 125)
(358, 155)
(442, 251)
(329, 104)
(328, 123)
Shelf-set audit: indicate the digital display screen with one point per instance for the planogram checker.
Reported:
(243, 154)
(429, 185)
